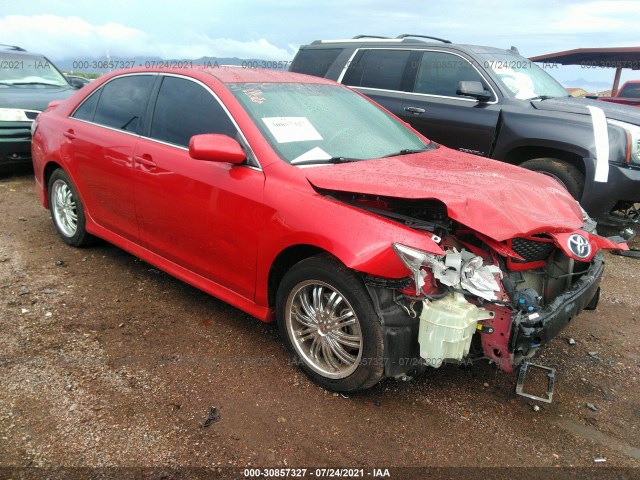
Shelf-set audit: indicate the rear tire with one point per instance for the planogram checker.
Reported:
(564, 172)
(67, 210)
(328, 323)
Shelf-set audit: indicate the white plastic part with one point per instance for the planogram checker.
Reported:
(601, 135)
(446, 328)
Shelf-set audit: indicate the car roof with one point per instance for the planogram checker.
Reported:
(15, 48)
(376, 42)
(230, 74)
(11, 51)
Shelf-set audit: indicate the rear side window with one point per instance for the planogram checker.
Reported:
(184, 109)
(123, 102)
(314, 61)
(439, 74)
(382, 69)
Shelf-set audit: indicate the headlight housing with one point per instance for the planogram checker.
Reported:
(17, 115)
(414, 260)
(632, 134)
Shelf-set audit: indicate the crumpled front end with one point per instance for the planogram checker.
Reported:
(498, 305)
(482, 298)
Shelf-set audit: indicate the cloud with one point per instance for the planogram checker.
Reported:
(72, 37)
(67, 37)
(621, 17)
(206, 46)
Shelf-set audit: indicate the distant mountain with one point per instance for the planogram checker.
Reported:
(104, 64)
(588, 85)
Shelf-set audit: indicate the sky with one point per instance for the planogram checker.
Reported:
(273, 30)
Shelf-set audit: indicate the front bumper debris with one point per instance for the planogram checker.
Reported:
(537, 329)
(522, 375)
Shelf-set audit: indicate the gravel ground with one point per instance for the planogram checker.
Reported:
(107, 362)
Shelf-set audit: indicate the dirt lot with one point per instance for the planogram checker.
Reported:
(105, 361)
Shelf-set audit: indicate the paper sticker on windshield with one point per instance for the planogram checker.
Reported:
(291, 129)
(254, 95)
(314, 154)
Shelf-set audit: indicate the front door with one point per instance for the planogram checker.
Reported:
(198, 214)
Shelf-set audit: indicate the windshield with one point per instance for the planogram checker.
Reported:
(20, 70)
(524, 78)
(310, 123)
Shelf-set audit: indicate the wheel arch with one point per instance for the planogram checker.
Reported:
(49, 168)
(521, 154)
(284, 261)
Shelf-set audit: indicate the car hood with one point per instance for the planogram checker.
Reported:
(32, 97)
(493, 198)
(624, 113)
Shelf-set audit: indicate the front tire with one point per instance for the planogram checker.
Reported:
(67, 210)
(564, 172)
(327, 321)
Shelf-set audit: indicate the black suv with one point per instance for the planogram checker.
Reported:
(28, 82)
(497, 104)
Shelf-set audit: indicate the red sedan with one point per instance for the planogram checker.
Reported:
(378, 252)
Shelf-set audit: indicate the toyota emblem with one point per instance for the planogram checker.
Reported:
(579, 246)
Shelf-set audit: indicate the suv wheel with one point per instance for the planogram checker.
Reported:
(565, 173)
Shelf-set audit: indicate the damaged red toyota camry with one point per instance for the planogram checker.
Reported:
(295, 199)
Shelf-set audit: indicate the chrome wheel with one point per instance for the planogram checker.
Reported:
(324, 329)
(65, 212)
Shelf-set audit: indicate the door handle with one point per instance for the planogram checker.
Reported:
(414, 109)
(69, 134)
(145, 160)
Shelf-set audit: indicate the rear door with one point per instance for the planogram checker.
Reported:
(198, 214)
(383, 75)
(101, 135)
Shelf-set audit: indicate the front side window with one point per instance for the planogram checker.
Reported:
(382, 69)
(123, 102)
(314, 123)
(440, 72)
(184, 109)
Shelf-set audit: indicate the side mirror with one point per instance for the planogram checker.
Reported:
(75, 83)
(216, 148)
(473, 89)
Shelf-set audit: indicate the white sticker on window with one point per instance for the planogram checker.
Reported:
(314, 154)
(291, 129)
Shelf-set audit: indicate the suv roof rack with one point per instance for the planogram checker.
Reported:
(407, 35)
(12, 47)
(370, 36)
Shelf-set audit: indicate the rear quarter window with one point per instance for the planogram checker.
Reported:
(87, 109)
(314, 61)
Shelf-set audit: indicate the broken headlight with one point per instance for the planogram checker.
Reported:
(460, 270)
(414, 260)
